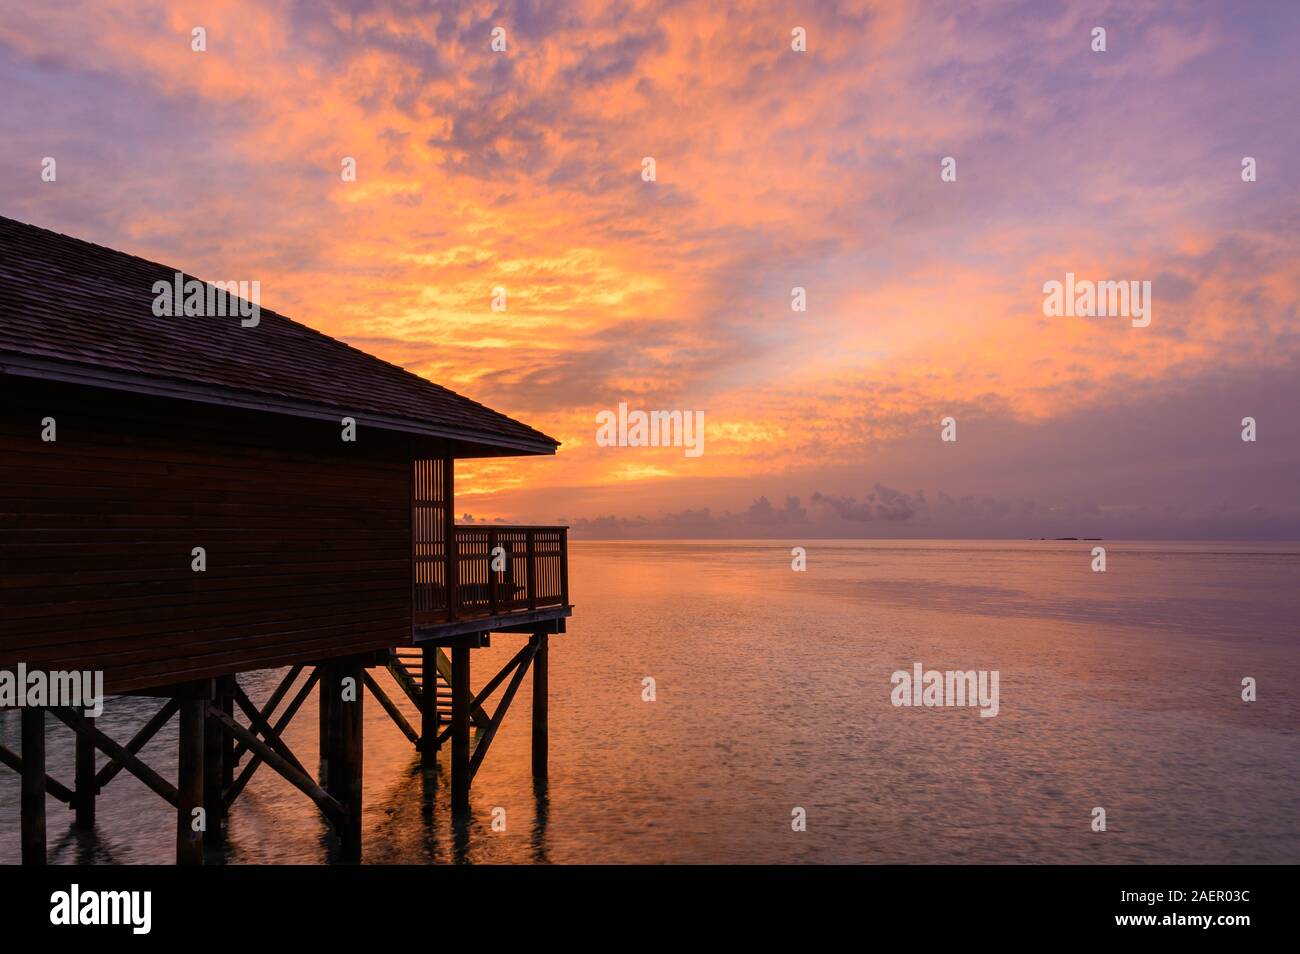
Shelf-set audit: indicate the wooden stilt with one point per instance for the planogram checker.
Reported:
(33, 786)
(460, 728)
(214, 751)
(541, 734)
(189, 780)
(327, 694)
(341, 746)
(351, 748)
(429, 707)
(86, 785)
(228, 756)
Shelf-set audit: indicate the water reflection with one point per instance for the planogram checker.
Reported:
(773, 691)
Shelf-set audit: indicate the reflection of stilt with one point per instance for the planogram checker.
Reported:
(541, 817)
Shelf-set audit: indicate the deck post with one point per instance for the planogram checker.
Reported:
(540, 705)
(189, 780)
(33, 786)
(85, 785)
(429, 706)
(460, 699)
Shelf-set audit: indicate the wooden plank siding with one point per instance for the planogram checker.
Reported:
(308, 538)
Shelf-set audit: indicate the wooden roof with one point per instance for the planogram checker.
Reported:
(74, 311)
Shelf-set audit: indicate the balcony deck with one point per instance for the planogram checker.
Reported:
(490, 578)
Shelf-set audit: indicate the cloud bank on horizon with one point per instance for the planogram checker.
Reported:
(775, 169)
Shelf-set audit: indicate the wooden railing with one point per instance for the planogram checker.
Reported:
(493, 571)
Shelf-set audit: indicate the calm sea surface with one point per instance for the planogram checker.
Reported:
(1119, 690)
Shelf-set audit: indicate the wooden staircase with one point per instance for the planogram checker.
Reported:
(406, 664)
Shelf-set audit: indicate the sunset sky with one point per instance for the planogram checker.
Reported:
(775, 169)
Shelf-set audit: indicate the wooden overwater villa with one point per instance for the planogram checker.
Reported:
(184, 499)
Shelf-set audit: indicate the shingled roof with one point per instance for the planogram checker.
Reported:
(74, 311)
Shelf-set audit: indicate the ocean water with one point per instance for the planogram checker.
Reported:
(1118, 690)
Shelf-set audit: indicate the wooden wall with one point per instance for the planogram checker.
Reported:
(308, 538)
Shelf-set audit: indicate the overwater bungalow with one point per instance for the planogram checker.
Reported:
(187, 498)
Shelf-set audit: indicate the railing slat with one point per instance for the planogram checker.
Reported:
(535, 575)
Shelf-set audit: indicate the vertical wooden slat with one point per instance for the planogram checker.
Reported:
(415, 539)
(449, 533)
(532, 569)
(492, 575)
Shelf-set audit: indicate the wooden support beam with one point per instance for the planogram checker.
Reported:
(351, 745)
(521, 669)
(78, 723)
(394, 713)
(326, 709)
(214, 806)
(280, 691)
(541, 705)
(138, 742)
(259, 724)
(477, 701)
(403, 679)
(32, 797)
(189, 781)
(343, 691)
(460, 729)
(328, 806)
(429, 706)
(232, 791)
(87, 787)
(229, 757)
(52, 785)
